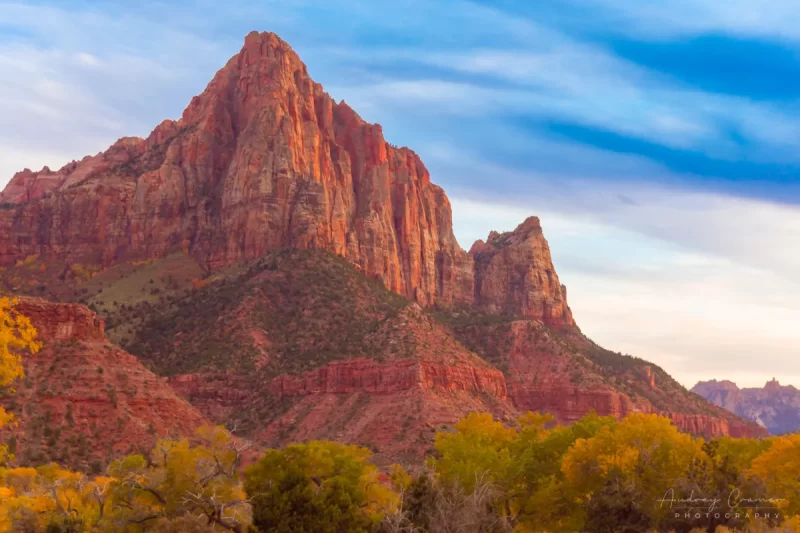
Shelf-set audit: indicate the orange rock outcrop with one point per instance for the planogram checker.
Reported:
(265, 159)
(514, 275)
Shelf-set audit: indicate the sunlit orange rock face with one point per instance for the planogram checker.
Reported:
(100, 399)
(262, 159)
(265, 159)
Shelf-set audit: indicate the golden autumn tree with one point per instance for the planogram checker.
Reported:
(518, 469)
(779, 469)
(320, 486)
(17, 334)
(49, 498)
(178, 480)
(624, 470)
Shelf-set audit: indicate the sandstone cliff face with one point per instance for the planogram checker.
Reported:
(365, 375)
(514, 275)
(262, 159)
(775, 407)
(27, 185)
(394, 407)
(82, 400)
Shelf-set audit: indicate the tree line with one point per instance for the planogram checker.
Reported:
(639, 474)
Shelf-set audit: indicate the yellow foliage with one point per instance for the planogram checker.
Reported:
(16, 334)
(644, 453)
(792, 524)
(180, 480)
(31, 498)
(480, 446)
(401, 479)
(779, 469)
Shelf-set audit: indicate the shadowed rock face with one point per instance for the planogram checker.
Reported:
(775, 407)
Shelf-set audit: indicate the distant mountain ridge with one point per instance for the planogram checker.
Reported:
(773, 406)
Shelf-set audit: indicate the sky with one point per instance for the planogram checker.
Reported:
(657, 140)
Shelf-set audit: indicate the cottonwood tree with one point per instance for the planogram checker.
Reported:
(324, 487)
(179, 479)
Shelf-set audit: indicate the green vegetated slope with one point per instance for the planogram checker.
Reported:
(288, 312)
(125, 295)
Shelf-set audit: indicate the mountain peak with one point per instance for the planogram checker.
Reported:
(514, 274)
(262, 159)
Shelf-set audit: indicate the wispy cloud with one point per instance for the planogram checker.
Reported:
(72, 81)
(680, 18)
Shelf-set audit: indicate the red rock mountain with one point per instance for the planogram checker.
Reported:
(300, 345)
(560, 371)
(259, 185)
(83, 400)
(774, 406)
(262, 159)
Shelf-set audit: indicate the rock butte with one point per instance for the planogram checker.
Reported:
(263, 160)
